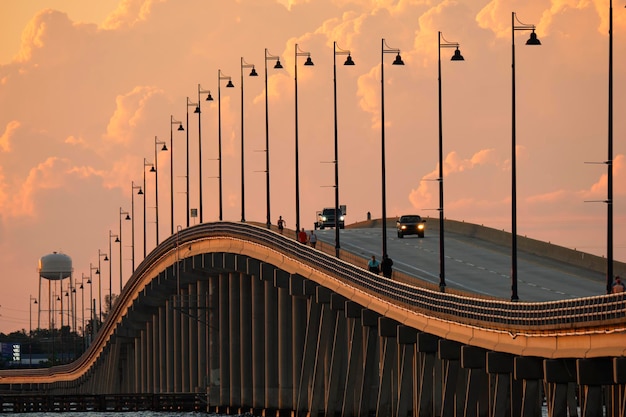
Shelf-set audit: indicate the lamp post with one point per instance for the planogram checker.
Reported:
(349, 61)
(253, 73)
(209, 98)
(277, 65)
(31, 300)
(82, 291)
(456, 57)
(609, 164)
(384, 49)
(189, 104)
(220, 77)
(92, 306)
(98, 273)
(156, 182)
(298, 52)
(531, 41)
(117, 240)
(132, 203)
(152, 169)
(180, 127)
(122, 213)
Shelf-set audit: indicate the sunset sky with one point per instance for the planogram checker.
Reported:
(85, 87)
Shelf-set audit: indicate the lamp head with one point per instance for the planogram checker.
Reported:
(117, 239)
(533, 39)
(164, 148)
(230, 84)
(309, 61)
(349, 60)
(180, 127)
(197, 110)
(128, 217)
(152, 169)
(398, 60)
(208, 98)
(278, 65)
(106, 258)
(35, 301)
(253, 73)
(457, 56)
(140, 192)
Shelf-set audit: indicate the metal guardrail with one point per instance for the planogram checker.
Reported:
(604, 311)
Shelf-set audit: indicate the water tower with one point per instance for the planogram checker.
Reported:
(55, 267)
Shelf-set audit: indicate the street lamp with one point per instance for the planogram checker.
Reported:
(349, 61)
(122, 213)
(92, 302)
(253, 73)
(156, 182)
(152, 169)
(531, 41)
(209, 98)
(609, 163)
(132, 203)
(189, 104)
(117, 240)
(82, 291)
(180, 127)
(298, 52)
(220, 77)
(456, 57)
(31, 300)
(277, 65)
(384, 49)
(100, 255)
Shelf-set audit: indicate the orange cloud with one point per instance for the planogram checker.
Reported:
(129, 13)
(5, 139)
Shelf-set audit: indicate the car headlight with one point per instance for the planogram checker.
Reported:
(403, 227)
(324, 218)
(420, 227)
(341, 218)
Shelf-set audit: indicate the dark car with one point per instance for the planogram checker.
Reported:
(411, 225)
(326, 218)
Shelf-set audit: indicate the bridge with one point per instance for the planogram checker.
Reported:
(260, 323)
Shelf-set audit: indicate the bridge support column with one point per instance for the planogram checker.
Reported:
(163, 348)
(593, 374)
(285, 342)
(149, 354)
(194, 319)
(224, 348)
(369, 387)
(453, 378)
(245, 326)
(202, 325)
(169, 343)
(504, 391)
(310, 348)
(387, 387)
(407, 338)
(258, 343)
(337, 375)
(560, 377)
(184, 316)
(271, 339)
(427, 349)
(618, 391)
(322, 353)
(156, 353)
(214, 342)
(529, 370)
(299, 325)
(355, 358)
(234, 309)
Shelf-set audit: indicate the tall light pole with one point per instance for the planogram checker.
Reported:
(189, 104)
(117, 240)
(132, 203)
(157, 142)
(122, 213)
(152, 169)
(199, 112)
(531, 41)
(180, 127)
(92, 302)
(609, 164)
(349, 61)
(277, 65)
(384, 49)
(98, 272)
(298, 52)
(253, 73)
(456, 57)
(31, 300)
(220, 77)
(82, 290)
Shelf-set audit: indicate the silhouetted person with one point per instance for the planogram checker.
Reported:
(281, 224)
(386, 265)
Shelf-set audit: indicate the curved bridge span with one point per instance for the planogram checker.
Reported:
(264, 324)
